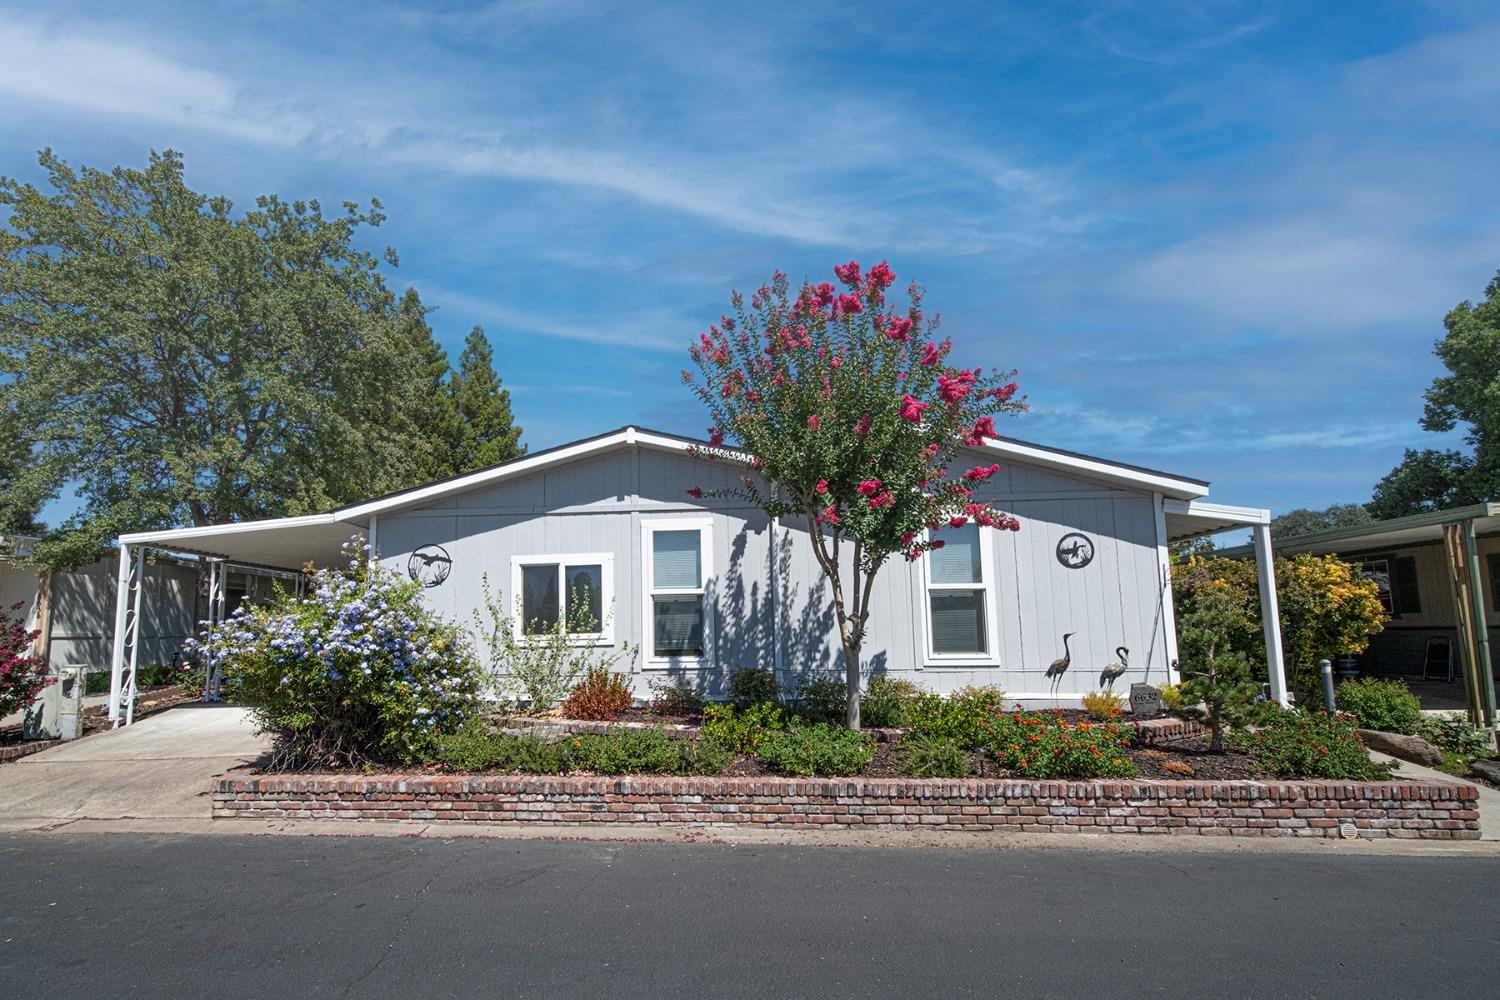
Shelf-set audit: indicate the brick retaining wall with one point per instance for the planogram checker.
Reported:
(1406, 809)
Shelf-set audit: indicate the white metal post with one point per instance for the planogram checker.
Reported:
(137, 584)
(122, 610)
(1270, 613)
(218, 572)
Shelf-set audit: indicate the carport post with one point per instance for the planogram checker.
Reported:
(1270, 611)
(126, 628)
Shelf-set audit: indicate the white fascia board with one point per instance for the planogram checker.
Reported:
(1169, 486)
(234, 528)
(1217, 511)
(520, 467)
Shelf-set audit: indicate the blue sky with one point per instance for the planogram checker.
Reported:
(1216, 238)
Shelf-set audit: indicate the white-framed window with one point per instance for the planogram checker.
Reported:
(959, 606)
(676, 555)
(577, 589)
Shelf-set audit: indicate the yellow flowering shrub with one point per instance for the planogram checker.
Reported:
(1327, 608)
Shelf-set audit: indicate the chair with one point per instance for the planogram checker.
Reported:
(1438, 663)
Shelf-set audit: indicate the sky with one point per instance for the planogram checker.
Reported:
(1216, 238)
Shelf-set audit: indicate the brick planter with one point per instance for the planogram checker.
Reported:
(1406, 809)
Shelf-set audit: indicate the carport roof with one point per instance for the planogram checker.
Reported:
(276, 543)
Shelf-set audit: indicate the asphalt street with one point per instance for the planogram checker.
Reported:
(230, 916)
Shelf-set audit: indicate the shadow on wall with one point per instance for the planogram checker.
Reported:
(809, 630)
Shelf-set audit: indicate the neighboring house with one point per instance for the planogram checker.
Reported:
(708, 586)
(78, 627)
(1417, 567)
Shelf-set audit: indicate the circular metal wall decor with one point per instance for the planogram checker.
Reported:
(1075, 550)
(429, 565)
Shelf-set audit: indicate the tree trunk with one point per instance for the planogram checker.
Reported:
(851, 679)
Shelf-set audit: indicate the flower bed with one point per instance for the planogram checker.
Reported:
(1382, 809)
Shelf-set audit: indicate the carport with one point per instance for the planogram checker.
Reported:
(1188, 519)
(278, 547)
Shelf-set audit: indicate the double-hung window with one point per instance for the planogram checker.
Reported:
(677, 569)
(960, 597)
(575, 591)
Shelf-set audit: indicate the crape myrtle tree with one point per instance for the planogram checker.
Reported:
(846, 409)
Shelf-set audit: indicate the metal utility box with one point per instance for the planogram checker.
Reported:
(58, 713)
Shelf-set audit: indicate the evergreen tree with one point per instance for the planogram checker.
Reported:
(486, 434)
(427, 399)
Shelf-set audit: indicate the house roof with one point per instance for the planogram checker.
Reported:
(291, 541)
(1415, 529)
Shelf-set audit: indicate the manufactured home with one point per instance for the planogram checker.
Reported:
(707, 586)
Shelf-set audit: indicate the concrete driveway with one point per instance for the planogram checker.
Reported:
(155, 770)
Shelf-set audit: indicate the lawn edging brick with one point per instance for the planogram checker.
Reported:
(1428, 810)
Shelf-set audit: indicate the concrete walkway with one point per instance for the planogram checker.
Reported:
(158, 769)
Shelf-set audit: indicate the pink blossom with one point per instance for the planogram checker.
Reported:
(863, 427)
(880, 276)
(953, 389)
(939, 543)
(869, 487)
(884, 498)
(980, 473)
(929, 354)
(899, 328)
(911, 409)
(848, 305)
(1005, 392)
(824, 292)
(696, 492)
(848, 273)
(822, 486)
(907, 537)
(812, 421)
(836, 362)
(715, 436)
(957, 521)
(984, 427)
(829, 514)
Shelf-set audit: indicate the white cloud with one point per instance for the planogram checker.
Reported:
(98, 74)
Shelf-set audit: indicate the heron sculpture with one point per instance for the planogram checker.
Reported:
(1114, 671)
(1060, 666)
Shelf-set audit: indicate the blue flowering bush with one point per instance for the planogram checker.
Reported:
(354, 672)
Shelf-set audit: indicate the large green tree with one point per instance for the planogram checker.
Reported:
(177, 362)
(1469, 397)
(1304, 521)
(487, 435)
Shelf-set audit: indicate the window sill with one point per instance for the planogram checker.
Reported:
(986, 662)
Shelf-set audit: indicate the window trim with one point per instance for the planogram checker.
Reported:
(606, 563)
(705, 528)
(987, 583)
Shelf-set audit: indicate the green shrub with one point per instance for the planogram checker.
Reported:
(933, 757)
(357, 671)
(1452, 733)
(676, 696)
(1300, 744)
(886, 701)
(823, 699)
(702, 756)
(1386, 705)
(543, 667)
(600, 695)
(752, 686)
(960, 717)
(1042, 745)
(478, 749)
(624, 750)
(817, 750)
(740, 732)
